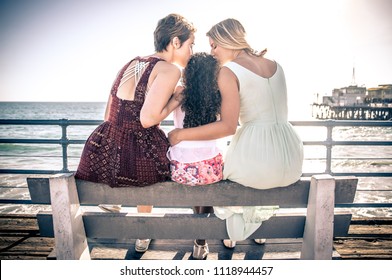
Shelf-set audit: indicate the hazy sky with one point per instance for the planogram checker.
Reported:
(71, 50)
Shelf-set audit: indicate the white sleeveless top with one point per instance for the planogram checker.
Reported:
(191, 151)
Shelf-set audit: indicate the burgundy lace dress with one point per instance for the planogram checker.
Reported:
(120, 152)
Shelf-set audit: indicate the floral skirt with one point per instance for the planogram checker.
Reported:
(197, 173)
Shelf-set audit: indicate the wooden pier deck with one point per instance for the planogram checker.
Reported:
(369, 239)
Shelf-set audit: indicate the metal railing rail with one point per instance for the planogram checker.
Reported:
(329, 143)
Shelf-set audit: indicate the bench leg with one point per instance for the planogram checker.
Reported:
(70, 236)
(318, 234)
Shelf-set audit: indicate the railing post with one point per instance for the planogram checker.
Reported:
(64, 144)
(328, 146)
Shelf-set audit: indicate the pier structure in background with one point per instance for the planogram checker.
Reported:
(355, 103)
(325, 112)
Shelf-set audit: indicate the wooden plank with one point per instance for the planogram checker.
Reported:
(371, 221)
(45, 223)
(39, 189)
(32, 244)
(364, 248)
(365, 243)
(367, 257)
(161, 194)
(371, 230)
(22, 257)
(18, 224)
(183, 226)
(341, 225)
(25, 247)
(345, 189)
(106, 221)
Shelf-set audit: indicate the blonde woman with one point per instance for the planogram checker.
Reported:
(265, 151)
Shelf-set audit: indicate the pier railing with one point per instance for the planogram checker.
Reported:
(329, 142)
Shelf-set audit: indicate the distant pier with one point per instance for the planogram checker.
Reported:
(324, 111)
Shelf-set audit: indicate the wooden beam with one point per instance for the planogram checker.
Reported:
(184, 226)
(318, 234)
(70, 237)
(161, 194)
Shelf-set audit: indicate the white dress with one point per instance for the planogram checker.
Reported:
(265, 152)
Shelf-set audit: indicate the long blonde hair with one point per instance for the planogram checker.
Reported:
(230, 34)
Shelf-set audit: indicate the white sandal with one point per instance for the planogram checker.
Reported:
(200, 252)
(260, 241)
(141, 245)
(229, 243)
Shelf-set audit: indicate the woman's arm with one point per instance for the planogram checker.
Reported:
(159, 102)
(174, 101)
(107, 110)
(230, 109)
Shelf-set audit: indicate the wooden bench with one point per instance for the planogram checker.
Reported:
(72, 227)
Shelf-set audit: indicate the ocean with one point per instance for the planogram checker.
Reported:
(49, 156)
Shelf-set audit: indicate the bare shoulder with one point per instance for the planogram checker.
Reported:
(164, 65)
(226, 72)
(267, 62)
(167, 68)
(227, 80)
(226, 75)
(268, 67)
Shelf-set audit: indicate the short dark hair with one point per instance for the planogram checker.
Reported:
(169, 27)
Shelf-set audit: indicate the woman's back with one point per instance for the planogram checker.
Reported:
(120, 152)
(262, 99)
(265, 152)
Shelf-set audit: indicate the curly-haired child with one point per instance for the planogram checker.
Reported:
(198, 162)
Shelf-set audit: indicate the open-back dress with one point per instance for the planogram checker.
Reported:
(120, 152)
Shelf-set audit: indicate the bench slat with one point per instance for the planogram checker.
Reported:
(39, 190)
(161, 194)
(165, 226)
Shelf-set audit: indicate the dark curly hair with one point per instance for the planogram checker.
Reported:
(201, 97)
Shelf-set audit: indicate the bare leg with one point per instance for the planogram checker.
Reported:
(202, 210)
(144, 208)
(141, 245)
